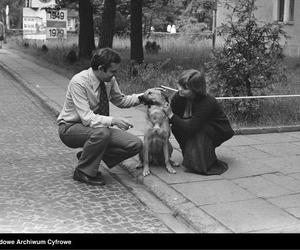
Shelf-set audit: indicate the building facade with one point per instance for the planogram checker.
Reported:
(73, 21)
(286, 12)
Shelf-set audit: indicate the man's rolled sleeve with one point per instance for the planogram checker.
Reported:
(121, 100)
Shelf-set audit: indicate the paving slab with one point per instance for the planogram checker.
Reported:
(287, 229)
(295, 134)
(296, 143)
(251, 152)
(295, 175)
(284, 181)
(238, 168)
(294, 211)
(287, 201)
(279, 149)
(284, 164)
(274, 137)
(212, 192)
(250, 215)
(261, 187)
(181, 176)
(241, 140)
(228, 154)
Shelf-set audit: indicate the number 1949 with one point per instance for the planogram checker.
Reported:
(57, 15)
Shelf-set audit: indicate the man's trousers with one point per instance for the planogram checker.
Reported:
(108, 144)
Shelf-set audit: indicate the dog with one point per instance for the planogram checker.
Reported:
(157, 149)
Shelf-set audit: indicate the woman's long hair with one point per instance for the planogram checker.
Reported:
(194, 80)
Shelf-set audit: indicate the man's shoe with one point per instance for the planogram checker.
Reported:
(99, 176)
(79, 176)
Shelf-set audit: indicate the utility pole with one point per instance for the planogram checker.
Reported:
(214, 26)
(7, 16)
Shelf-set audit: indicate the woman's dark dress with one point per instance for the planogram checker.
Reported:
(199, 135)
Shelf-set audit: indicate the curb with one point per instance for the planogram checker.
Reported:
(266, 130)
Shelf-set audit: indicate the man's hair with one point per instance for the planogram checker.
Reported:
(104, 57)
(194, 80)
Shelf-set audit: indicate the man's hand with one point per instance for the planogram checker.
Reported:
(121, 123)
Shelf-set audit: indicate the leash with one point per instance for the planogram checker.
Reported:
(240, 97)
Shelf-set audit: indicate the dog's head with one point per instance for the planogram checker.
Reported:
(154, 97)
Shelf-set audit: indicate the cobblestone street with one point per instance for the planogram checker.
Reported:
(37, 192)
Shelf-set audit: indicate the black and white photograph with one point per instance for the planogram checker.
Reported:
(148, 117)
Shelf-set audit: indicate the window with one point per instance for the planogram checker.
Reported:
(280, 10)
(291, 10)
(286, 11)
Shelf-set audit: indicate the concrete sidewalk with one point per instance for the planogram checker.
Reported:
(259, 193)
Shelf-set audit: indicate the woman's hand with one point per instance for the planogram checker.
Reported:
(167, 109)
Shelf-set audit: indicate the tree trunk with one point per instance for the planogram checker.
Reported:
(107, 28)
(136, 34)
(86, 29)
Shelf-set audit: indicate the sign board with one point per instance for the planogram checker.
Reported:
(56, 24)
(34, 24)
(42, 3)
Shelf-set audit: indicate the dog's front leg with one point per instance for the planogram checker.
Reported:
(167, 158)
(146, 170)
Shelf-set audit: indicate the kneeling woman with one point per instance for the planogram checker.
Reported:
(198, 124)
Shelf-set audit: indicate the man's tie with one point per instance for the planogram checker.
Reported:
(103, 108)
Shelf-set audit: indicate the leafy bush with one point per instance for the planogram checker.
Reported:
(243, 110)
(251, 60)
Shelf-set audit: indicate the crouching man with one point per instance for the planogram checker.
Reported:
(84, 121)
